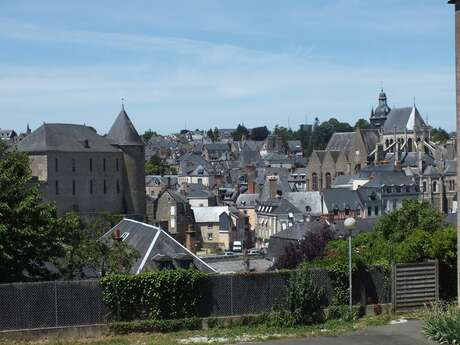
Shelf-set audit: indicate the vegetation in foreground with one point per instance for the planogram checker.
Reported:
(443, 324)
(234, 334)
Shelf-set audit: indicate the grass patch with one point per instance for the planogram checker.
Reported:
(218, 335)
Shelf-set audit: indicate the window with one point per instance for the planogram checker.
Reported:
(389, 190)
(90, 164)
(56, 165)
(328, 180)
(424, 186)
(173, 210)
(57, 187)
(407, 189)
(172, 222)
(117, 164)
(90, 186)
(369, 211)
(209, 236)
(376, 210)
(398, 189)
(347, 211)
(104, 164)
(209, 225)
(336, 211)
(435, 187)
(73, 187)
(314, 183)
(358, 212)
(200, 181)
(105, 187)
(124, 236)
(73, 165)
(118, 187)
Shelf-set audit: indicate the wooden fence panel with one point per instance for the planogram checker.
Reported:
(415, 285)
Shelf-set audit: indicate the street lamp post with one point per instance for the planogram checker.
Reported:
(349, 224)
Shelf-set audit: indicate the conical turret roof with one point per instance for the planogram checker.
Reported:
(123, 131)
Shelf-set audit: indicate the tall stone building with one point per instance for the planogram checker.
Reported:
(84, 172)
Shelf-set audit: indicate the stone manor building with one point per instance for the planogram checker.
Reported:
(87, 173)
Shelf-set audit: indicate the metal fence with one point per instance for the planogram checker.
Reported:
(76, 303)
(50, 304)
(415, 285)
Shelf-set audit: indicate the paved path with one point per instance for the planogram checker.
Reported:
(409, 333)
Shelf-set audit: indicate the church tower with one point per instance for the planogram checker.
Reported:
(379, 115)
(124, 136)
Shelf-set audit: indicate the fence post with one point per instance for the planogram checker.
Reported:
(231, 294)
(393, 287)
(55, 304)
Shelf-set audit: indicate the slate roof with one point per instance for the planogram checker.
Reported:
(278, 207)
(217, 147)
(209, 214)
(342, 180)
(196, 191)
(389, 178)
(247, 200)
(123, 131)
(431, 171)
(451, 167)
(151, 241)
(341, 141)
(65, 137)
(403, 118)
(341, 198)
(294, 145)
(306, 202)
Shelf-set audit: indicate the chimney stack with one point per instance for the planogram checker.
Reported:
(190, 238)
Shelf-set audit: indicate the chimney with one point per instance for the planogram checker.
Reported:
(190, 238)
(116, 234)
(251, 187)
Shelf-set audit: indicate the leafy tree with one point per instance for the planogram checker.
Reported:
(285, 133)
(362, 124)
(216, 134)
(149, 134)
(158, 166)
(310, 247)
(259, 133)
(439, 135)
(30, 232)
(210, 135)
(240, 131)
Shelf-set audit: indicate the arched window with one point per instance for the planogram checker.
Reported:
(435, 187)
(328, 180)
(387, 143)
(424, 186)
(314, 181)
(409, 145)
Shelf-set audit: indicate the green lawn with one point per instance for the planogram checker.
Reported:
(217, 336)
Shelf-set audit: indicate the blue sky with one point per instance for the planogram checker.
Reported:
(220, 63)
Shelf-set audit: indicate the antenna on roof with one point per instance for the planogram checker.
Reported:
(381, 85)
(122, 103)
(414, 101)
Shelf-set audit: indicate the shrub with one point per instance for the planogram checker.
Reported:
(161, 326)
(304, 298)
(443, 325)
(160, 295)
(342, 312)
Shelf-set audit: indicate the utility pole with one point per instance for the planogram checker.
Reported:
(457, 79)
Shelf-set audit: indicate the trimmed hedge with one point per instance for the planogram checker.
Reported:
(159, 295)
(158, 326)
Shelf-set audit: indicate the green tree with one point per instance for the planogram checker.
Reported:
(362, 124)
(158, 166)
(259, 133)
(149, 134)
(240, 131)
(30, 233)
(439, 135)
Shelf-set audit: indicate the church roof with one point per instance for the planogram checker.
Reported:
(65, 137)
(123, 131)
(404, 118)
(341, 141)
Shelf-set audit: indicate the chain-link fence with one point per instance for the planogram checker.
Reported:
(74, 303)
(50, 304)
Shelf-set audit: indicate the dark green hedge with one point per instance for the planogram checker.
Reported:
(159, 295)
